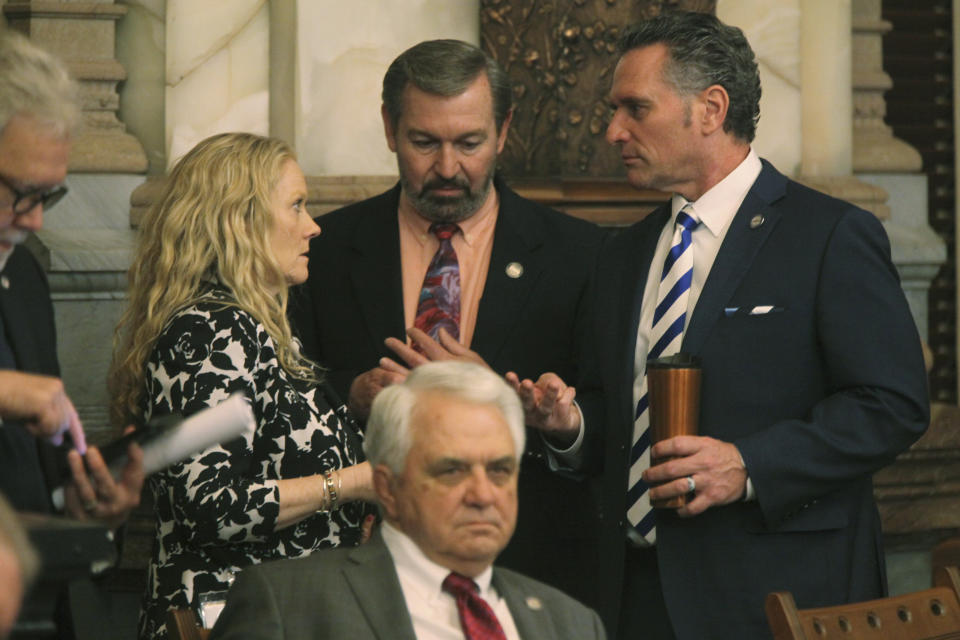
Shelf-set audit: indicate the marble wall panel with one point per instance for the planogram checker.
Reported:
(344, 50)
(217, 69)
(218, 73)
(773, 29)
(200, 29)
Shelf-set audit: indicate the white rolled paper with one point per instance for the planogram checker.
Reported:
(228, 420)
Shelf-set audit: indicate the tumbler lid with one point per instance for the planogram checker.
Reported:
(679, 360)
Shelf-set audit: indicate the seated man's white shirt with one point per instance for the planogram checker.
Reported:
(432, 610)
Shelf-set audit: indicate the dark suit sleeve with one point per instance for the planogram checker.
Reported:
(29, 465)
(875, 404)
(590, 396)
(252, 612)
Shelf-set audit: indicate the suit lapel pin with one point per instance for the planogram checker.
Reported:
(514, 270)
(534, 603)
(756, 221)
(4, 282)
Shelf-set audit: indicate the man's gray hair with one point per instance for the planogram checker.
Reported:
(445, 68)
(35, 84)
(705, 52)
(14, 537)
(388, 438)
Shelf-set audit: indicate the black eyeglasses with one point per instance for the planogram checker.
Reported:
(24, 202)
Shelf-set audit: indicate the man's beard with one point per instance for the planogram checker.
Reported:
(14, 238)
(447, 208)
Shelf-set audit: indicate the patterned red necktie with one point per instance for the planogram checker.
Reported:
(439, 304)
(476, 617)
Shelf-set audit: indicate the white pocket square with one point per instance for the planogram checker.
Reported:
(758, 310)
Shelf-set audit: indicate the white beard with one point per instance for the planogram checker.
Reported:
(14, 238)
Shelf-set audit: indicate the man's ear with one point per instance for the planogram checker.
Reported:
(383, 485)
(502, 135)
(388, 129)
(715, 102)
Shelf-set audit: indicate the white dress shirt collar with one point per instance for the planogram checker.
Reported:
(717, 207)
(427, 574)
(433, 612)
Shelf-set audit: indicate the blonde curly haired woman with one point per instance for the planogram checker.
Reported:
(207, 317)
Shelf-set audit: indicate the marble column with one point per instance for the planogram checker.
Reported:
(83, 35)
(825, 74)
(141, 48)
(916, 494)
(875, 149)
(884, 161)
(827, 105)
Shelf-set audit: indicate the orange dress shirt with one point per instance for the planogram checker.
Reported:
(473, 246)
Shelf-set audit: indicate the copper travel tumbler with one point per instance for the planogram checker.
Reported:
(673, 391)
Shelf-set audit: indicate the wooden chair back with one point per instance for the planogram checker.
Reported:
(182, 624)
(931, 614)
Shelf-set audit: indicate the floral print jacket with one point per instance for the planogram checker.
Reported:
(216, 512)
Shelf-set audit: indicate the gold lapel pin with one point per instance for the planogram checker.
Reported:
(534, 603)
(4, 282)
(514, 270)
(756, 221)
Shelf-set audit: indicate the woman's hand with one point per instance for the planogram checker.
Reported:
(302, 497)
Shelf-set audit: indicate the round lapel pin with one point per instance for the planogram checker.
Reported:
(756, 221)
(534, 603)
(4, 282)
(514, 270)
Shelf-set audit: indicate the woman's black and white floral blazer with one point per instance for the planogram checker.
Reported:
(217, 511)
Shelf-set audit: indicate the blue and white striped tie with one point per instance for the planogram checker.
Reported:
(666, 335)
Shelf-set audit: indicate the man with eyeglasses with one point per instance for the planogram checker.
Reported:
(38, 107)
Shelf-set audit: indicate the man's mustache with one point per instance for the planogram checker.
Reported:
(459, 183)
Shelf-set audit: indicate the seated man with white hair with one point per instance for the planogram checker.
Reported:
(445, 446)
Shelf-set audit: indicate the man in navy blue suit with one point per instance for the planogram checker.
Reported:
(812, 370)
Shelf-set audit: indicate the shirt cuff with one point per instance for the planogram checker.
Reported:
(566, 459)
(749, 493)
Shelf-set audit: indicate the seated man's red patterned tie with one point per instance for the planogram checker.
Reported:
(439, 304)
(476, 617)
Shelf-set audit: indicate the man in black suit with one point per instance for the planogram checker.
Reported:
(812, 374)
(524, 271)
(37, 109)
(445, 446)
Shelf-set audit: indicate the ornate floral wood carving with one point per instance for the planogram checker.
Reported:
(560, 55)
